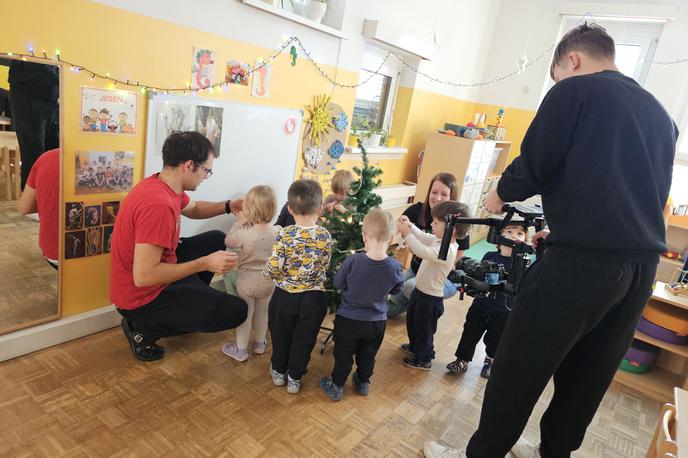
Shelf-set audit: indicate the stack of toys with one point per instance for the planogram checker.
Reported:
(639, 358)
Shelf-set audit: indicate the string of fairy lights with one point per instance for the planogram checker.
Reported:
(291, 43)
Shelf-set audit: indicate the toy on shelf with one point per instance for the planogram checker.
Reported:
(671, 255)
(678, 286)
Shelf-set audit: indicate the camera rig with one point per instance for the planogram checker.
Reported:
(480, 278)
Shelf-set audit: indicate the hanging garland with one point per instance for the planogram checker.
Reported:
(521, 66)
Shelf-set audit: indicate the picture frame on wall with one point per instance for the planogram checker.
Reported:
(75, 244)
(74, 216)
(98, 172)
(108, 111)
(109, 212)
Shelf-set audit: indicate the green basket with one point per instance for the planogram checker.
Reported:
(633, 367)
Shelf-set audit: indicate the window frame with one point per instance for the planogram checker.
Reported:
(635, 32)
(392, 69)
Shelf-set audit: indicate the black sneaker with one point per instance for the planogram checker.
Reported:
(406, 348)
(457, 367)
(141, 351)
(416, 364)
(334, 392)
(360, 387)
(487, 367)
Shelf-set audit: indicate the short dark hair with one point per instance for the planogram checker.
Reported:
(450, 207)
(180, 147)
(591, 39)
(305, 197)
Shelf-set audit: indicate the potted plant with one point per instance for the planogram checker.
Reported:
(360, 128)
(353, 136)
(374, 137)
(315, 9)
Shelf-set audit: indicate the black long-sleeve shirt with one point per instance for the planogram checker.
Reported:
(600, 151)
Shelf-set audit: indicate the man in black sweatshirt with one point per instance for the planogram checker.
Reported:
(600, 151)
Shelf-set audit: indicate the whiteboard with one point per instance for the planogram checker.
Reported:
(258, 145)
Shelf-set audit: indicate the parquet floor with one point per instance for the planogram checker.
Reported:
(91, 398)
(28, 285)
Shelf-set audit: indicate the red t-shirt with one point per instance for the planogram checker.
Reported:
(44, 177)
(151, 213)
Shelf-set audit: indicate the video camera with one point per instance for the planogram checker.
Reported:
(480, 278)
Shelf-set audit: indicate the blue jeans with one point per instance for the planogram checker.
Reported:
(399, 303)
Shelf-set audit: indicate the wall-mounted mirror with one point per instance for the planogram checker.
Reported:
(30, 185)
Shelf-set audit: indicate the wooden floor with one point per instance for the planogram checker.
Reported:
(28, 285)
(91, 398)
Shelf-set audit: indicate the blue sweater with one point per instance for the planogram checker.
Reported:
(365, 284)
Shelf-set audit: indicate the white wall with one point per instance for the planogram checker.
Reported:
(462, 30)
(530, 26)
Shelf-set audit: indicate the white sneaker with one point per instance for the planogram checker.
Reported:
(433, 449)
(524, 449)
(293, 386)
(278, 379)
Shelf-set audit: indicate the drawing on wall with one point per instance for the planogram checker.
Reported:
(203, 68)
(107, 111)
(261, 80)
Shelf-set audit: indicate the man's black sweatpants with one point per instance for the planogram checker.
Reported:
(573, 319)
(190, 304)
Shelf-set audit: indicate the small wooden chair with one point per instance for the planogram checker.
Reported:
(663, 444)
(10, 164)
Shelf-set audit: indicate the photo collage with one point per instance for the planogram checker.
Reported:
(88, 228)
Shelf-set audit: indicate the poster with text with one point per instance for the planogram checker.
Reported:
(203, 68)
(106, 111)
(98, 172)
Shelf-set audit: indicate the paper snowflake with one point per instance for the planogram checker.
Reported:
(341, 122)
(336, 150)
(313, 156)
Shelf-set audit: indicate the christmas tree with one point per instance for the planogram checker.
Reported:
(345, 228)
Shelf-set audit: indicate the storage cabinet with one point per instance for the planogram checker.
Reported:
(671, 369)
(677, 240)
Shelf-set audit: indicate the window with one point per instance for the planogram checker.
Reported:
(635, 45)
(375, 99)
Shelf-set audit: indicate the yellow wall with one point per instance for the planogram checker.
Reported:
(3, 77)
(159, 53)
(153, 51)
(516, 122)
(418, 112)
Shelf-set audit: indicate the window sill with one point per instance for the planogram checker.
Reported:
(261, 5)
(378, 152)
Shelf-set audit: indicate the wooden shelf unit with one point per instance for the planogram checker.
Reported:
(677, 240)
(672, 366)
(657, 384)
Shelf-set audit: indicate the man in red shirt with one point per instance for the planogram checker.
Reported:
(42, 194)
(159, 283)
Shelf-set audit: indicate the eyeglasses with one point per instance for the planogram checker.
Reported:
(207, 171)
